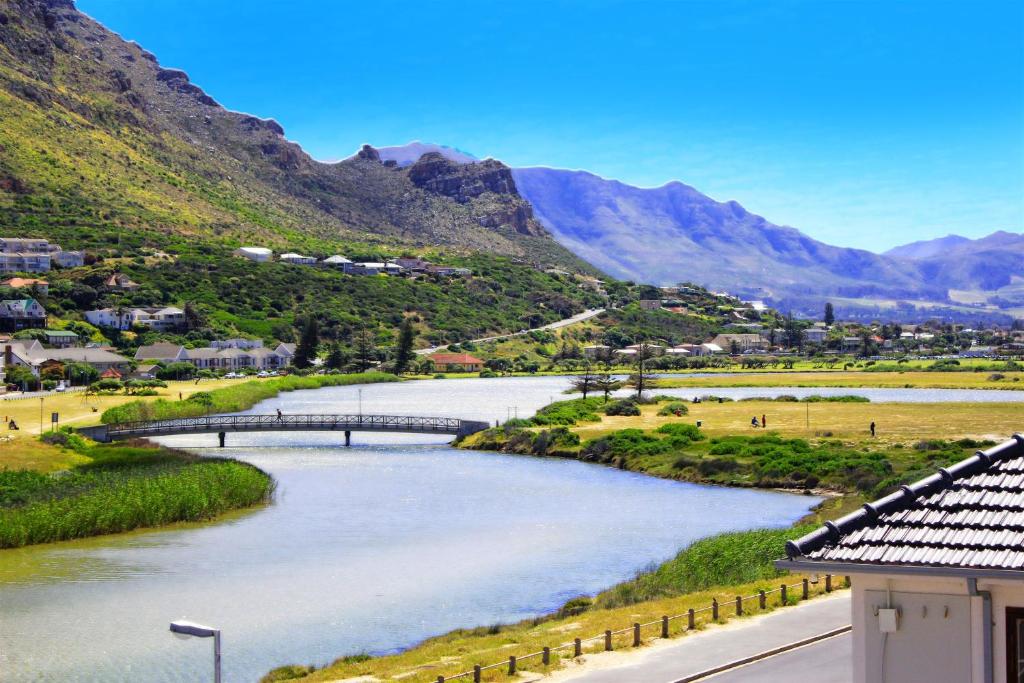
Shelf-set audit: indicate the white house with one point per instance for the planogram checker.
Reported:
(337, 261)
(298, 259)
(161, 319)
(937, 571)
(375, 268)
(257, 254)
(815, 335)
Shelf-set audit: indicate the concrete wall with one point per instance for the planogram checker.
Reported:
(940, 637)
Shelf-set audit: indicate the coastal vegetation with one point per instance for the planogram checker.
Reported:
(121, 487)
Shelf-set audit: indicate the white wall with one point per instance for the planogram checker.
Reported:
(933, 645)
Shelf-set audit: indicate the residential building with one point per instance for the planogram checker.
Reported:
(741, 342)
(815, 335)
(937, 573)
(237, 344)
(416, 265)
(33, 255)
(710, 348)
(337, 261)
(456, 362)
(68, 259)
(24, 262)
(161, 352)
(650, 304)
(852, 344)
(61, 339)
(144, 371)
(598, 351)
(34, 356)
(164, 319)
(21, 314)
(376, 268)
(676, 351)
(650, 349)
(41, 286)
(298, 259)
(257, 254)
(119, 282)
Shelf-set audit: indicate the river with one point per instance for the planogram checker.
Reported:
(367, 549)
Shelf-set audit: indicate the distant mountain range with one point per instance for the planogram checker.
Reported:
(673, 233)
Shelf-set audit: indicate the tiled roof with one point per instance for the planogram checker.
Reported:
(967, 516)
(455, 358)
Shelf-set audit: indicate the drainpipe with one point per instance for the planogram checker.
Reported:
(986, 621)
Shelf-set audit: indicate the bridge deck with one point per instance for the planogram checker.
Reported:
(286, 423)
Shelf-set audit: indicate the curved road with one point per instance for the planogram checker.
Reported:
(578, 318)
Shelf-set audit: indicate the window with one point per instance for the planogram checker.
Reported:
(1015, 644)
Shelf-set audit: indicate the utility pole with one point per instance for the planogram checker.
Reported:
(41, 415)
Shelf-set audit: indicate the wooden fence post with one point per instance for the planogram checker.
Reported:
(828, 583)
(636, 634)
(476, 673)
(608, 641)
(807, 589)
(512, 665)
(714, 609)
(664, 627)
(690, 620)
(762, 599)
(739, 605)
(785, 596)
(577, 647)
(546, 656)
(847, 581)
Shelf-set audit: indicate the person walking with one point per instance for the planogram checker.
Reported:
(280, 415)
(764, 421)
(872, 430)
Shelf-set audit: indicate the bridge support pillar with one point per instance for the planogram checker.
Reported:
(221, 436)
(348, 439)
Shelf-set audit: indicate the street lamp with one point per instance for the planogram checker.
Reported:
(187, 629)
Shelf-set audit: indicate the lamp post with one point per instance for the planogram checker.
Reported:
(188, 629)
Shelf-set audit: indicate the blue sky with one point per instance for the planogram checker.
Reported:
(864, 124)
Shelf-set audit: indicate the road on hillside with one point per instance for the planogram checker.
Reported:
(828, 661)
(585, 315)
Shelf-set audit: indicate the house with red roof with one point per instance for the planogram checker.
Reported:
(456, 362)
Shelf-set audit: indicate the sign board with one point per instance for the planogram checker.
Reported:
(54, 417)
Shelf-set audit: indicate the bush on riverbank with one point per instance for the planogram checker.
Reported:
(234, 398)
(123, 487)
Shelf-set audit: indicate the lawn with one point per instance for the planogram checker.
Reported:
(903, 423)
(893, 380)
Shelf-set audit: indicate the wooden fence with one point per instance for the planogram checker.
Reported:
(739, 606)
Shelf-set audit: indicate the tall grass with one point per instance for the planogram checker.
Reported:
(722, 560)
(235, 398)
(123, 493)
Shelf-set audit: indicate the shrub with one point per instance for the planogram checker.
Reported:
(575, 606)
(626, 407)
(569, 412)
(677, 408)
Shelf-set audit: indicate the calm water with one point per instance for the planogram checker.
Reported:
(364, 549)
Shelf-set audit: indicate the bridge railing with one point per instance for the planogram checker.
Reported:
(448, 425)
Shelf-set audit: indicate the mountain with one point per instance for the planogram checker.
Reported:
(99, 139)
(926, 248)
(674, 233)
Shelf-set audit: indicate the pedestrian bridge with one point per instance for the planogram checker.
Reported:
(223, 424)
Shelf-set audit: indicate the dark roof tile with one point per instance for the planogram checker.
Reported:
(969, 515)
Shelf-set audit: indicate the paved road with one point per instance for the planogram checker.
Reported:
(580, 317)
(827, 661)
(718, 645)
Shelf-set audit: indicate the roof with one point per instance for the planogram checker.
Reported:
(255, 250)
(86, 355)
(969, 516)
(336, 259)
(455, 358)
(60, 333)
(159, 351)
(17, 282)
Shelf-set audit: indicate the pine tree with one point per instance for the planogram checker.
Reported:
(404, 353)
(366, 352)
(336, 359)
(584, 383)
(305, 351)
(830, 314)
